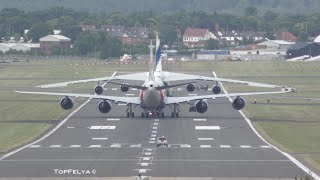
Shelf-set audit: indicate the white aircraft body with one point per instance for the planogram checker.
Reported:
(153, 98)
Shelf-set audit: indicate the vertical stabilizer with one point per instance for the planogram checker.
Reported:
(158, 55)
(151, 63)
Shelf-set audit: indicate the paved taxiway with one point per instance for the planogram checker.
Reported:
(218, 143)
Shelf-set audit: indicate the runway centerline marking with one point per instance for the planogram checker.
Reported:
(102, 127)
(154, 132)
(70, 127)
(265, 146)
(115, 145)
(207, 127)
(114, 89)
(245, 146)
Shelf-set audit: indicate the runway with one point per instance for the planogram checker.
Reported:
(218, 144)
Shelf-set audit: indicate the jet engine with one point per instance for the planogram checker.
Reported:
(98, 89)
(216, 89)
(238, 103)
(104, 106)
(191, 87)
(67, 103)
(201, 106)
(124, 88)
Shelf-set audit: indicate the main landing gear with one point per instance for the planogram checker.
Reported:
(176, 111)
(129, 110)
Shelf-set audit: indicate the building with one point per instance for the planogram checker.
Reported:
(302, 49)
(49, 42)
(276, 44)
(286, 36)
(135, 35)
(114, 30)
(87, 27)
(197, 37)
(231, 37)
(24, 47)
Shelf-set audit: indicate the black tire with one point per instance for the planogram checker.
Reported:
(142, 114)
(147, 115)
(177, 114)
(172, 114)
(128, 114)
(132, 114)
(158, 114)
(162, 114)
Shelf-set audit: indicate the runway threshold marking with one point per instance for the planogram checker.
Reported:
(74, 146)
(35, 146)
(265, 146)
(101, 138)
(205, 139)
(55, 146)
(102, 127)
(113, 119)
(205, 146)
(207, 127)
(199, 119)
(225, 146)
(245, 146)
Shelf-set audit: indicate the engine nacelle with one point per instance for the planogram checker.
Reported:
(201, 106)
(104, 106)
(216, 89)
(98, 90)
(238, 103)
(124, 88)
(191, 87)
(67, 103)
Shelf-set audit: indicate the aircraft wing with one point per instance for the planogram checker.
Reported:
(169, 76)
(176, 100)
(75, 82)
(116, 99)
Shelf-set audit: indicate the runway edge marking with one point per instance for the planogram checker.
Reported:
(52, 131)
(291, 158)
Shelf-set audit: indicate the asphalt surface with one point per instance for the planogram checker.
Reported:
(92, 144)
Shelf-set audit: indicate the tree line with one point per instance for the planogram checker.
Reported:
(13, 22)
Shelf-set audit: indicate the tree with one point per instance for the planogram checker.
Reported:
(38, 31)
(212, 44)
(270, 15)
(251, 11)
(71, 32)
(167, 33)
(111, 48)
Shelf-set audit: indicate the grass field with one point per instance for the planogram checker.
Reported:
(292, 125)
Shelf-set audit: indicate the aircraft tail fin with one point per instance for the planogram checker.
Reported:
(151, 63)
(158, 55)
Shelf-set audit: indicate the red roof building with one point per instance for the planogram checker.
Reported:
(194, 37)
(286, 36)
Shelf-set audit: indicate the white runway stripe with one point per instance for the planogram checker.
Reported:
(135, 145)
(205, 146)
(205, 139)
(148, 154)
(70, 127)
(129, 94)
(95, 146)
(192, 94)
(122, 104)
(102, 127)
(245, 146)
(152, 139)
(265, 146)
(154, 132)
(134, 89)
(185, 145)
(100, 138)
(55, 146)
(75, 146)
(199, 119)
(113, 119)
(225, 146)
(151, 142)
(114, 89)
(153, 135)
(144, 164)
(115, 145)
(207, 127)
(35, 146)
(155, 124)
(154, 127)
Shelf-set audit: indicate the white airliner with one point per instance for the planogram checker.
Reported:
(153, 98)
